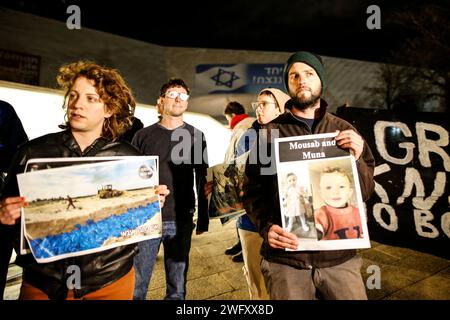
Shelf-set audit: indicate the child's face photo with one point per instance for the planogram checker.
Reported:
(335, 189)
(291, 181)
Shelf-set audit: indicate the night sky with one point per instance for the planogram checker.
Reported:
(333, 28)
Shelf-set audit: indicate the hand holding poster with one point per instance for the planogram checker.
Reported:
(88, 208)
(320, 197)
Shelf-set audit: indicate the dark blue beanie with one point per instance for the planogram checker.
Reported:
(310, 59)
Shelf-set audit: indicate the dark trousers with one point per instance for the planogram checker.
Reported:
(6, 248)
(176, 262)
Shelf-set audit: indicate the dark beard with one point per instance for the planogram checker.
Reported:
(305, 103)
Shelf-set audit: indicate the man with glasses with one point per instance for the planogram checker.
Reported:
(176, 143)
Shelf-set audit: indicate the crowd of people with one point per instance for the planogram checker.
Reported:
(100, 121)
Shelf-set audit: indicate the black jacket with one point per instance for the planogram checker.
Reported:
(182, 152)
(12, 134)
(261, 191)
(98, 269)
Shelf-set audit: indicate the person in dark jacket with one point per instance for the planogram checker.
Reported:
(136, 125)
(12, 134)
(99, 106)
(301, 275)
(239, 122)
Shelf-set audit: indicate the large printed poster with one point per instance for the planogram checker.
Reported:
(320, 197)
(225, 200)
(49, 163)
(85, 208)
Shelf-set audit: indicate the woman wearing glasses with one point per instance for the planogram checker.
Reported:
(270, 105)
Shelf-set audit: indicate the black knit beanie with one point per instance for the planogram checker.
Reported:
(310, 59)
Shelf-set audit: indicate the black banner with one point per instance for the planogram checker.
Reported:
(411, 203)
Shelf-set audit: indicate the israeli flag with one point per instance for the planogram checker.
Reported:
(223, 78)
(237, 78)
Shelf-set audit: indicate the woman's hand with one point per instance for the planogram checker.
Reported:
(10, 209)
(163, 193)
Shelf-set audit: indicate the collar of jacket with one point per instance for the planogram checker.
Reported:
(256, 125)
(319, 115)
(70, 142)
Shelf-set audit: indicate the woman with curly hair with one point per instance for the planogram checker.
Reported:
(99, 107)
(110, 89)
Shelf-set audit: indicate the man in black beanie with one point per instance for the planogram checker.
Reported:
(301, 275)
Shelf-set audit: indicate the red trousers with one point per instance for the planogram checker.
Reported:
(121, 289)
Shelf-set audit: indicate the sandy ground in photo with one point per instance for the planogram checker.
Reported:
(53, 217)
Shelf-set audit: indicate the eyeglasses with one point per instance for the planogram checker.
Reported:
(263, 104)
(174, 95)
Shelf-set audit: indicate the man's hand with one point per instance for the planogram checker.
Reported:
(163, 193)
(10, 209)
(280, 239)
(349, 139)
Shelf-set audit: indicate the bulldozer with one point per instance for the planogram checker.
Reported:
(108, 192)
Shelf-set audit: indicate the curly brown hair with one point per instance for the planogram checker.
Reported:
(111, 88)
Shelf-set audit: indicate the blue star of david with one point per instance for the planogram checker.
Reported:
(225, 78)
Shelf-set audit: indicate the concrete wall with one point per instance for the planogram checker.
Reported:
(141, 64)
